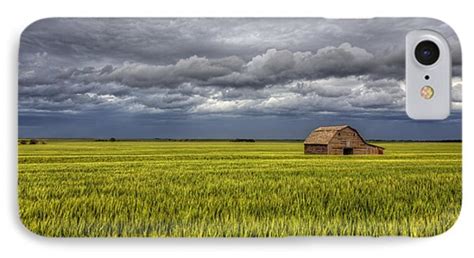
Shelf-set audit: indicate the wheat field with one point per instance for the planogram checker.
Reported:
(232, 189)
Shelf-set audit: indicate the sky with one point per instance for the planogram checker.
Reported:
(222, 78)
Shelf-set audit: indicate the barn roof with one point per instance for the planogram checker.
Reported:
(324, 134)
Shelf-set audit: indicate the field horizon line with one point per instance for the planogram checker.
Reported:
(104, 139)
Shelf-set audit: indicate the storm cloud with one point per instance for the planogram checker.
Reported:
(141, 71)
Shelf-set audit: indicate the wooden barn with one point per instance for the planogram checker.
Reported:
(338, 140)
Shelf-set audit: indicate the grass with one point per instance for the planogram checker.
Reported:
(223, 189)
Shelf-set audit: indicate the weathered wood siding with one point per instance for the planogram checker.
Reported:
(348, 138)
(315, 149)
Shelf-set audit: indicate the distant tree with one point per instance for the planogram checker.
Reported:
(112, 139)
(243, 140)
(23, 142)
(43, 142)
(34, 141)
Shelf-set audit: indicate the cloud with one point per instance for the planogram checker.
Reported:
(187, 68)
(296, 97)
(457, 93)
(235, 52)
(272, 67)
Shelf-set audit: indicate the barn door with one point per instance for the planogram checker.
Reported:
(347, 151)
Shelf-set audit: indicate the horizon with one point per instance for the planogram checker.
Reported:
(218, 139)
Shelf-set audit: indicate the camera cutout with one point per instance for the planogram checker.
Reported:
(427, 58)
(427, 52)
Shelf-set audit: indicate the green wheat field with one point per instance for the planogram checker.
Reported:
(235, 189)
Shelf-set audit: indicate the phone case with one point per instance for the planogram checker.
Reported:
(231, 127)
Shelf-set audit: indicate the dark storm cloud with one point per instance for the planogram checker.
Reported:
(204, 68)
(165, 41)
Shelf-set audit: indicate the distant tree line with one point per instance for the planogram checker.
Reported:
(243, 140)
(31, 141)
(112, 139)
(197, 140)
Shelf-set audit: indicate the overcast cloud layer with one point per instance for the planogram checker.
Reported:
(222, 78)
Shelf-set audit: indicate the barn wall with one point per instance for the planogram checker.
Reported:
(348, 138)
(315, 149)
